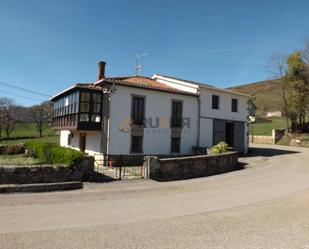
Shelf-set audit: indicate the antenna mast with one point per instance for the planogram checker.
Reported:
(138, 66)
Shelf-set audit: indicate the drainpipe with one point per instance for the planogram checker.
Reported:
(198, 120)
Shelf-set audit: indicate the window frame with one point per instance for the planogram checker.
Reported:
(234, 101)
(217, 106)
(91, 102)
(176, 120)
(139, 121)
(172, 146)
(141, 144)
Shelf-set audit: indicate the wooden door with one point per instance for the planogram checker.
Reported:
(82, 142)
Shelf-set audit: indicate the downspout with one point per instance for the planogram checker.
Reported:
(198, 120)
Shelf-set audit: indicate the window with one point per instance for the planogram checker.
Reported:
(138, 109)
(96, 108)
(90, 107)
(136, 144)
(175, 145)
(234, 105)
(84, 117)
(84, 107)
(66, 105)
(85, 97)
(176, 119)
(215, 102)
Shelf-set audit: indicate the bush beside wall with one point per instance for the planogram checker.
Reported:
(12, 149)
(53, 154)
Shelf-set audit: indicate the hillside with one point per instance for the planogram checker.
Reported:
(266, 94)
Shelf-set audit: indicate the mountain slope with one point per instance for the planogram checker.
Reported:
(266, 93)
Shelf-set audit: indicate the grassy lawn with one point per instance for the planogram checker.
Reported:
(18, 160)
(265, 128)
(50, 139)
(29, 130)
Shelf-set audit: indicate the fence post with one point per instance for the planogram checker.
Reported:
(146, 167)
(121, 162)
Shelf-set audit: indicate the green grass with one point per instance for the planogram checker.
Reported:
(51, 139)
(29, 130)
(304, 138)
(265, 129)
(18, 160)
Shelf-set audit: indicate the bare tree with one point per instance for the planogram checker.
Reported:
(305, 51)
(9, 115)
(41, 116)
(278, 70)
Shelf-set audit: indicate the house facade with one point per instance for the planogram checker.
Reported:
(136, 116)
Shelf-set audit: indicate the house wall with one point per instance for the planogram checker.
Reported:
(93, 141)
(224, 113)
(158, 105)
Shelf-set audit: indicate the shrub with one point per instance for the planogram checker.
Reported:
(40, 149)
(67, 156)
(12, 149)
(53, 154)
(219, 148)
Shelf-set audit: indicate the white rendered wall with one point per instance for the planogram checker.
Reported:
(158, 104)
(206, 132)
(64, 138)
(225, 105)
(224, 112)
(93, 141)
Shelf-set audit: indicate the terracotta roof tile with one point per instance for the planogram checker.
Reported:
(144, 82)
(88, 86)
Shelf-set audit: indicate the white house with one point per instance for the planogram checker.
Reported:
(136, 116)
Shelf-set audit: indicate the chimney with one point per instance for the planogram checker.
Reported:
(101, 70)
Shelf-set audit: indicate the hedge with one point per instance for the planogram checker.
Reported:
(54, 154)
(40, 149)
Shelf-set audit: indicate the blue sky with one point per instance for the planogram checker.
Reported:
(46, 46)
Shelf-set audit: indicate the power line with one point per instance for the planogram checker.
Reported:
(23, 89)
(20, 96)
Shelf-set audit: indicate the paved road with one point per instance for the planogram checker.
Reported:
(265, 205)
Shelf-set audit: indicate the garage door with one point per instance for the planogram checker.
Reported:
(218, 131)
(239, 140)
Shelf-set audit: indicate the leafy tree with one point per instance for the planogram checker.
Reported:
(298, 90)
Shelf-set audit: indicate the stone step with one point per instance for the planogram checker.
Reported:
(40, 187)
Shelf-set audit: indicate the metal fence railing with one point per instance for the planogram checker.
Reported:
(117, 169)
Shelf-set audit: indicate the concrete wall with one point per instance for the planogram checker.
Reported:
(158, 105)
(190, 167)
(47, 173)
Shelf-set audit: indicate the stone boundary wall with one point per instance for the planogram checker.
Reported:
(167, 169)
(29, 174)
(276, 135)
(262, 140)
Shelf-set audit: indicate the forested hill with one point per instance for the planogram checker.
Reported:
(267, 94)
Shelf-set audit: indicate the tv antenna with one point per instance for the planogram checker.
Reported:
(138, 66)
